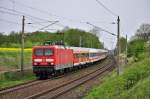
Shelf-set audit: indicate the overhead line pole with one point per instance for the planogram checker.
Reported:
(118, 46)
(126, 49)
(22, 46)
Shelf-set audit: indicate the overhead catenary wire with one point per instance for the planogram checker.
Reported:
(35, 9)
(40, 23)
(10, 13)
(42, 11)
(101, 29)
(106, 8)
(48, 13)
(51, 14)
(18, 13)
(22, 13)
(48, 25)
(12, 22)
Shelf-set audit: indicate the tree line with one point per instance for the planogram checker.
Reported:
(71, 37)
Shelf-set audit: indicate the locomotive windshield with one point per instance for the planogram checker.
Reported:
(48, 52)
(39, 52)
(43, 52)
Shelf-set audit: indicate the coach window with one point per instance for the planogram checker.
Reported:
(49, 52)
(86, 55)
(76, 55)
(82, 55)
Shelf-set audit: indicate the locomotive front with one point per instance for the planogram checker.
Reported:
(43, 60)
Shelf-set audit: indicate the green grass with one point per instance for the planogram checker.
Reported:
(140, 91)
(132, 84)
(11, 59)
(13, 78)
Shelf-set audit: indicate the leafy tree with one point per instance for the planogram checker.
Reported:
(136, 48)
(2, 37)
(143, 32)
(73, 37)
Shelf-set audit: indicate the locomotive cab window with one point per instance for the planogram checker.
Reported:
(43, 52)
(39, 52)
(48, 52)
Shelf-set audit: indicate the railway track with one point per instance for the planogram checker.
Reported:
(29, 83)
(44, 87)
(67, 86)
(8, 88)
(26, 84)
(12, 89)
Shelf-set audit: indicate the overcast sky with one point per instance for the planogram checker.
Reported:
(75, 14)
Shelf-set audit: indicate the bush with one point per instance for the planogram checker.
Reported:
(135, 48)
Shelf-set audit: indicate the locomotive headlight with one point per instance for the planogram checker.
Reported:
(49, 60)
(37, 60)
(35, 63)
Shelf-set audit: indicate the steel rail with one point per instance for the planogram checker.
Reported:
(53, 93)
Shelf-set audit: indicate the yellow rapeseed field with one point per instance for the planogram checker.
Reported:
(15, 49)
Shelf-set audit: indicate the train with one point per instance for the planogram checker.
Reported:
(50, 59)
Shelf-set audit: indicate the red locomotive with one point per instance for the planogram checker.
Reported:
(50, 59)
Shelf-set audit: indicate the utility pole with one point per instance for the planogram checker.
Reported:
(22, 46)
(126, 49)
(118, 46)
